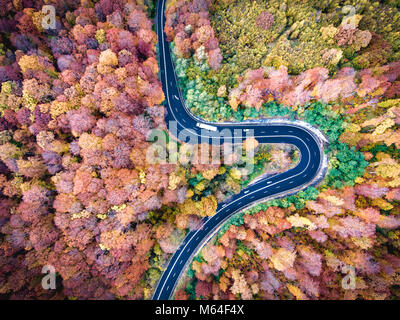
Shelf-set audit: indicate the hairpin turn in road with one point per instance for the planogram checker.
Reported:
(305, 138)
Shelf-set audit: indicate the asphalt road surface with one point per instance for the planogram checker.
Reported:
(308, 168)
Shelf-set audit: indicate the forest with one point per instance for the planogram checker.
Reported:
(335, 65)
(79, 103)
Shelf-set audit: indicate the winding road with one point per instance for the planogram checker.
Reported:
(306, 139)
